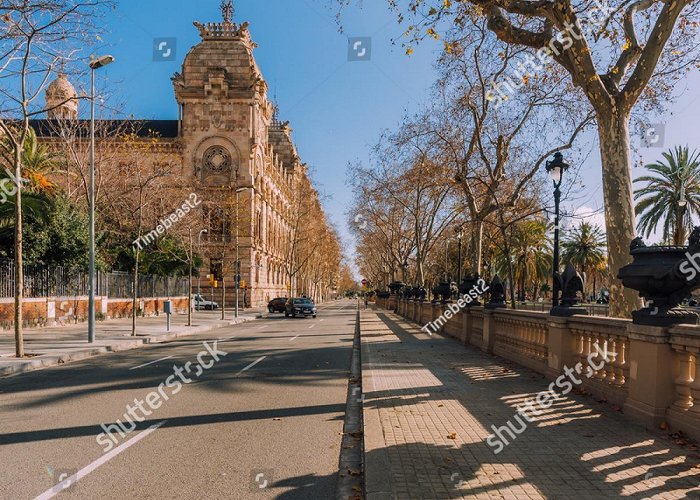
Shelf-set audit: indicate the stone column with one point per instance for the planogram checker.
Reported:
(562, 346)
(467, 320)
(651, 381)
(489, 331)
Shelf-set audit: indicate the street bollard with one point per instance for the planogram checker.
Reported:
(168, 309)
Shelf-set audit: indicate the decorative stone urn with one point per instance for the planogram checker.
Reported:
(415, 293)
(383, 294)
(445, 289)
(436, 293)
(422, 293)
(663, 276)
(571, 284)
(395, 286)
(497, 294)
(469, 282)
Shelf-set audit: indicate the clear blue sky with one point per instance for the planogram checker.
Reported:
(337, 108)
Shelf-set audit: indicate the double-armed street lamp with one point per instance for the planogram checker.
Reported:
(556, 168)
(95, 63)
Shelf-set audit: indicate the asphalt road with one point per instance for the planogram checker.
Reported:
(264, 421)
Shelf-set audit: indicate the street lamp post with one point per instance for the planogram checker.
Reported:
(460, 234)
(238, 262)
(199, 277)
(556, 168)
(95, 64)
(682, 203)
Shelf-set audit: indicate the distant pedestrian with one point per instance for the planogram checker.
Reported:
(365, 301)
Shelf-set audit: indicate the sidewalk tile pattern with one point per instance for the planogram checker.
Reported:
(438, 400)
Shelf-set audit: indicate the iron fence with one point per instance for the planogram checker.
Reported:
(41, 282)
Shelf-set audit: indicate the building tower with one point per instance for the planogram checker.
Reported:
(61, 99)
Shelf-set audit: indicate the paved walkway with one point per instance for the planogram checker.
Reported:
(429, 407)
(60, 344)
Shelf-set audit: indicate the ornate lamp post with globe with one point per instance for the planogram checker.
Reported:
(556, 168)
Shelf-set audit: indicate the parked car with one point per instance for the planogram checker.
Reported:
(201, 303)
(277, 305)
(300, 306)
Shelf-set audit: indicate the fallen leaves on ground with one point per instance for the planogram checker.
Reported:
(452, 435)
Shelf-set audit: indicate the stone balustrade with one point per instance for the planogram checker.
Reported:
(652, 373)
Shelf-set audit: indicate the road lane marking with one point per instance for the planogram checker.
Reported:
(250, 365)
(151, 362)
(263, 326)
(293, 338)
(312, 326)
(60, 487)
(227, 338)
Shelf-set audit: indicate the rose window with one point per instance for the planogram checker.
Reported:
(217, 160)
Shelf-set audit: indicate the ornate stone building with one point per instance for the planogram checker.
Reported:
(229, 143)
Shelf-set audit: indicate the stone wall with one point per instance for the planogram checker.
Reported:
(65, 310)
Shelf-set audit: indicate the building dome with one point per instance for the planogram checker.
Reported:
(61, 99)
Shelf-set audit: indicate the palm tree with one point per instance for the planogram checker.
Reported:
(531, 250)
(585, 248)
(37, 162)
(671, 197)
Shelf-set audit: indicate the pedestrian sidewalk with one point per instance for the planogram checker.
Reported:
(430, 404)
(61, 344)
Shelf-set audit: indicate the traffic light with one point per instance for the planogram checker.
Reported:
(242, 284)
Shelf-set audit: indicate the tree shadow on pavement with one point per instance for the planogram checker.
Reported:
(427, 388)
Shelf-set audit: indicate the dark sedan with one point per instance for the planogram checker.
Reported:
(277, 305)
(300, 307)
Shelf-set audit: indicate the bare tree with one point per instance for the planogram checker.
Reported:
(616, 53)
(37, 37)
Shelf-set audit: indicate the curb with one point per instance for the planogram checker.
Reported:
(350, 473)
(49, 360)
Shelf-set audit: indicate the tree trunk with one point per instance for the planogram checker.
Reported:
(189, 297)
(134, 294)
(613, 132)
(19, 272)
(478, 247)
(223, 295)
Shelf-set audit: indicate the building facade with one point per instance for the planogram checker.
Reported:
(229, 145)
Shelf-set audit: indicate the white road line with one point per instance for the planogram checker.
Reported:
(263, 326)
(250, 365)
(227, 338)
(151, 362)
(312, 326)
(60, 487)
(321, 319)
(293, 338)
